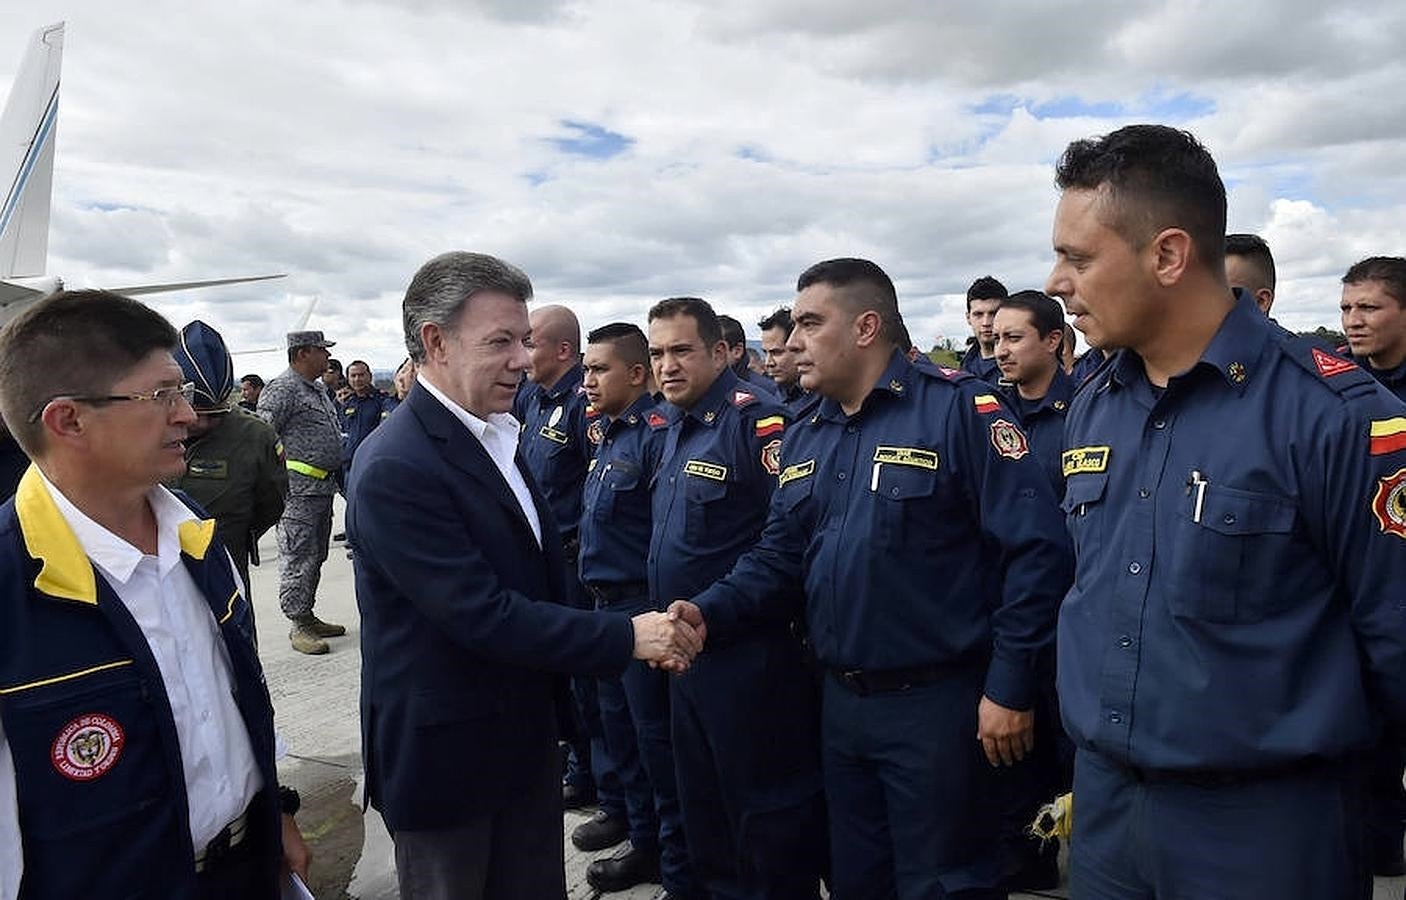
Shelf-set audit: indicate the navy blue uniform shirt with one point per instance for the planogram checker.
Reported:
(1043, 422)
(1241, 538)
(922, 530)
(554, 443)
(616, 515)
(717, 471)
(984, 368)
(1086, 365)
(360, 415)
(793, 395)
(1393, 380)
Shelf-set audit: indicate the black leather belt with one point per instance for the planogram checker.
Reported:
(607, 594)
(229, 837)
(1228, 778)
(884, 681)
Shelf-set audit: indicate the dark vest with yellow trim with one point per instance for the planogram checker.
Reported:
(102, 797)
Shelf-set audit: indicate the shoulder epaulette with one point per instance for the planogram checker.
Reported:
(1343, 376)
(743, 398)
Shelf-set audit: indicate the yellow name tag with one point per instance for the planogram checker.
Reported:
(799, 470)
(906, 456)
(707, 470)
(552, 434)
(1084, 460)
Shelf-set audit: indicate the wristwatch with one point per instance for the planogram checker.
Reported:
(290, 800)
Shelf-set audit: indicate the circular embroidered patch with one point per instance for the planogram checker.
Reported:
(1008, 439)
(87, 747)
(595, 432)
(1389, 504)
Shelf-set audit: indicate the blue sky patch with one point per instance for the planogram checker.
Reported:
(590, 140)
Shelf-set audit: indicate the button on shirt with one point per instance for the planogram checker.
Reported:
(499, 436)
(554, 443)
(922, 530)
(716, 475)
(221, 775)
(1241, 544)
(616, 515)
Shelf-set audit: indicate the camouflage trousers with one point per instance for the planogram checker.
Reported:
(304, 533)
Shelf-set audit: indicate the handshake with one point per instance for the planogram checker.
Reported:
(670, 640)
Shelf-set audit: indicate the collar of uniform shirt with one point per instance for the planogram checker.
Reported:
(643, 403)
(893, 381)
(572, 377)
(1235, 349)
(111, 553)
(717, 397)
(498, 434)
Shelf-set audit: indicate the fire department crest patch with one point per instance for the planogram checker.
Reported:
(1389, 505)
(771, 456)
(594, 432)
(87, 747)
(1008, 439)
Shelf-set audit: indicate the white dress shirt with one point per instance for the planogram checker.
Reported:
(221, 774)
(499, 436)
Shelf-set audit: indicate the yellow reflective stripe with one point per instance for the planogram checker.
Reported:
(69, 677)
(303, 468)
(1388, 427)
(230, 611)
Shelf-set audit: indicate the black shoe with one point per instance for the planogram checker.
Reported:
(339, 536)
(602, 832)
(623, 870)
(573, 797)
(1039, 869)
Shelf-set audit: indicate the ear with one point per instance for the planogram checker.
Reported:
(638, 375)
(1264, 299)
(63, 422)
(867, 327)
(432, 338)
(1053, 340)
(1171, 251)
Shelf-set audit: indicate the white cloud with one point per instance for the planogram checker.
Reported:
(347, 142)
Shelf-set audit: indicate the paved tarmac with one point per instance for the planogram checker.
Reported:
(316, 713)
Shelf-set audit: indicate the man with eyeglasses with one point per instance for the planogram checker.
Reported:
(234, 462)
(136, 732)
(300, 410)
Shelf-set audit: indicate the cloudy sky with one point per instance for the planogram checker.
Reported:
(624, 151)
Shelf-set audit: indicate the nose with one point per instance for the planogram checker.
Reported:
(521, 358)
(1056, 285)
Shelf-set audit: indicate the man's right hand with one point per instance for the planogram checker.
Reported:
(666, 641)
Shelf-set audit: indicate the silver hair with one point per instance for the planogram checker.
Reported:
(444, 284)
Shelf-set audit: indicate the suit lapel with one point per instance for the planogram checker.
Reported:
(464, 452)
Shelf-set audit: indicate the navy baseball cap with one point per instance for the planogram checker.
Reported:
(206, 363)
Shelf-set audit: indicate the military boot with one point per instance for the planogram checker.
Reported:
(305, 640)
(324, 629)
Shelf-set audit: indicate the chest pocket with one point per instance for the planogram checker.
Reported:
(707, 501)
(88, 755)
(904, 501)
(619, 477)
(1230, 561)
(1084, 516)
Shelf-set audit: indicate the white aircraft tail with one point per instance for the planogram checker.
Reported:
(27, 156)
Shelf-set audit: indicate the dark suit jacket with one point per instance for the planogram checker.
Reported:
(462, 621)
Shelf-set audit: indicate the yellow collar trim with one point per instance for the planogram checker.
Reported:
(67, 572)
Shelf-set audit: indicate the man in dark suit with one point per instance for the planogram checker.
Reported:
(465, 631)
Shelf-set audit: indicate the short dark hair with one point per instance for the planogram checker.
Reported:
(253, 379)
(699, 309)
(629, 342)
(986, 288)
(779, 319)
(864, 286)
(1252, 248)
(1045, 312)
(334, 364)
(1388, 271)
(359, 362)
(1156, 177)
(731, 330)
(74, 343)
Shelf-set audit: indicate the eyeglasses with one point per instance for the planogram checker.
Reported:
(167, 395)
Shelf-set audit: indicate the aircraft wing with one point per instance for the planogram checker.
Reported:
(137, 289)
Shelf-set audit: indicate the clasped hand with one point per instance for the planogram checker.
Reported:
(670, 640)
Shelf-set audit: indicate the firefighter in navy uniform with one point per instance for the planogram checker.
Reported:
(1374, 320)
(1233, 642)
(744, 717)
(1029, 329)
(926, 545)
(234, 463)
(135, 725)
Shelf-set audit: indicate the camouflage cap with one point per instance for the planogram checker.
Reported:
(308, 339)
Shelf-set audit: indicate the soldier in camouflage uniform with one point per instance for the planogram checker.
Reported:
(234, 463)
(296, 404)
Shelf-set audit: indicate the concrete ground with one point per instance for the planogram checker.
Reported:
(315, 703)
